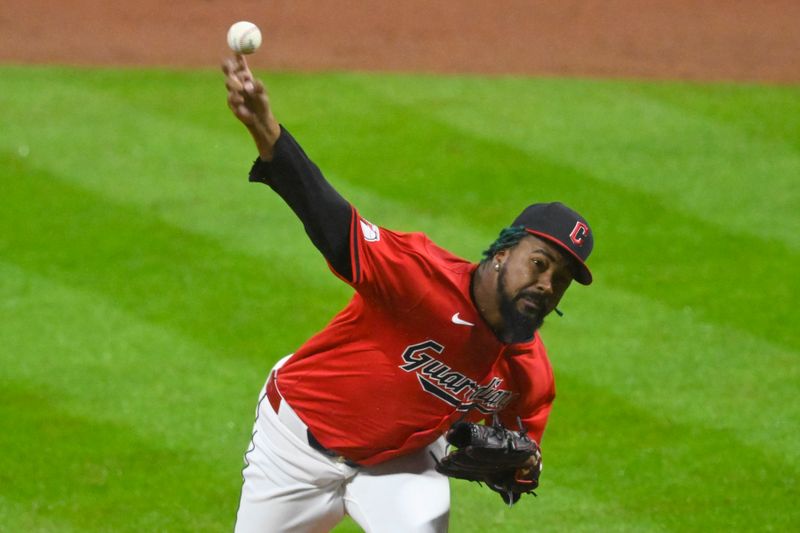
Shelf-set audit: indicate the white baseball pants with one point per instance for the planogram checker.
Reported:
(291, 487)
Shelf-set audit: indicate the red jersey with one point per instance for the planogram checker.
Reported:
(410, 355)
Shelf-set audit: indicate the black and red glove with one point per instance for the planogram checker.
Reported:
(508, 462)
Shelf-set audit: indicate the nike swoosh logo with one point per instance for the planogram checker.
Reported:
(457, 320)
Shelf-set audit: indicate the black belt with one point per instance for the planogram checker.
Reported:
(317, 445)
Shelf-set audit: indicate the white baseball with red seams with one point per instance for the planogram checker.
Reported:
(244, 37)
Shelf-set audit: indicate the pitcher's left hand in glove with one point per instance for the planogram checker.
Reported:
(509, 462)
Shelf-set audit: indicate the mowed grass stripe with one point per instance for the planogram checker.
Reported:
(228, 301)
(117, 424)
(709, 168)
(19, 516)
(644, 473)
(106, 364)
(101, 476)
(684, 475)
(557, 508)
(758, 111)
(679, 367)
(646, 468)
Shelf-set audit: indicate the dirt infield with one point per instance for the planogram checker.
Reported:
(689, 39)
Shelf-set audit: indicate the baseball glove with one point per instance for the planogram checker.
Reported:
(508, 462)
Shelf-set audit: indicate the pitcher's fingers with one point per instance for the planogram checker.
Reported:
(244, 73)
(229, 65)
(253, 91)
(241, 62)
(258, 87)
(233, 84)
(235, 99)
(242, 70)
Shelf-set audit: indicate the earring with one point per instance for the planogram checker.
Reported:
(497, 267)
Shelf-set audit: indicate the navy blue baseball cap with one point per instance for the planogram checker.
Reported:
(563, 227)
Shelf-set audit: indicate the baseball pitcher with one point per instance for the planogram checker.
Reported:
(434, 369)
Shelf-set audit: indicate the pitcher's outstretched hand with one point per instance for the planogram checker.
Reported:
(248, 102)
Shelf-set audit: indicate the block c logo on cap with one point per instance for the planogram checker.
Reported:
(579, 233)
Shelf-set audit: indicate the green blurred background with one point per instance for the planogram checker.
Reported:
(146, 287)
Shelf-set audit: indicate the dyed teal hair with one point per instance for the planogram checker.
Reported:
(508, 238)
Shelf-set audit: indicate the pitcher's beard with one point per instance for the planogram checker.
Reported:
(519, 326)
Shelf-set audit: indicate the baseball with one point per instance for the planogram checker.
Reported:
(244, 37)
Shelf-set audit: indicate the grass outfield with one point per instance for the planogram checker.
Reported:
(146, 287)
